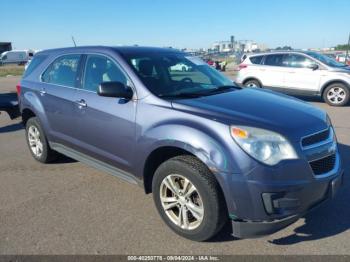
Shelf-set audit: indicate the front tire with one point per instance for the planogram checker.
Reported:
(188, 198)
(336, 94)
(37, 142)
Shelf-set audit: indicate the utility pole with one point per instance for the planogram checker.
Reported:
(347, 50)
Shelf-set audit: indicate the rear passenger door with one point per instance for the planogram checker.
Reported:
(106, 124)
(272, 71)
(57, 94)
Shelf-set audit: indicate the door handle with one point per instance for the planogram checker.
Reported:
(42, 92)
(81, 103)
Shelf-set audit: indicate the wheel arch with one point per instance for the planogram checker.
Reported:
(26, 115)
(155, 159)
(331, 82)
(250, 79)
(164, 152)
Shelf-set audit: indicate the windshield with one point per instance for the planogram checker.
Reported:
(325, 59)
(175, 75)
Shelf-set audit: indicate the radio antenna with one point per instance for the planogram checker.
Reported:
(75, 45)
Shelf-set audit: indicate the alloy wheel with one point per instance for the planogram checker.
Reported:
(251, 84)
(35, 142)
(181, 202)
(336, 95)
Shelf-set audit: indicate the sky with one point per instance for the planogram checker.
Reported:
(42, 24)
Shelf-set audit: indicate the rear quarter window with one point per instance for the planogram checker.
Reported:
(256, 59)
(36, 61)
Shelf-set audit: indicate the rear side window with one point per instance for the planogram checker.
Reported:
(256, 59)
(63, 71)
(274, 60)
(33, 64)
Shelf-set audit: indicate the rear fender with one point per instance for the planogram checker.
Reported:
(31, 101)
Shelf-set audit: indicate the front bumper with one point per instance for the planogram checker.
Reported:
(250, 229)
(265, 199)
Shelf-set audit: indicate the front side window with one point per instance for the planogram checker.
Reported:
(274, 60)
(63, 71)
(325, 59)
(176, 75)
(4, 57)
(297, 61)
(100, 69)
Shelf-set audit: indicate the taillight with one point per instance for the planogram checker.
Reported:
(241, 66)
(18, 89)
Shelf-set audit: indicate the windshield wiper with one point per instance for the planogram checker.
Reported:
(181, 95)
(216, 90)
(221, 89)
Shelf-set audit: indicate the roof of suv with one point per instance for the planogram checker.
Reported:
(119, 49)
(281, 52)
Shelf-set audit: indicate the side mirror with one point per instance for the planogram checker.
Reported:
(313, 66)
(114, 89)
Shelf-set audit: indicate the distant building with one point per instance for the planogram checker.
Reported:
(237, 46)
(5, 46)
(222, 46)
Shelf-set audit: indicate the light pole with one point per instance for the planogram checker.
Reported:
(347, 50)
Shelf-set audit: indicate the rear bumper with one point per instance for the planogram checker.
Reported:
(249, 229)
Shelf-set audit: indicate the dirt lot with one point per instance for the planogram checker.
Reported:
(13, 70)
(69, 208)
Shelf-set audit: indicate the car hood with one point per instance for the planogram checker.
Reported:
(345, 69)
(258, 108)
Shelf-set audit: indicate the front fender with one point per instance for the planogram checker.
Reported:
(342, 80)
(205, 145)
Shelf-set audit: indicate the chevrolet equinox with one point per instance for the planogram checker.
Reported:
(208, 151)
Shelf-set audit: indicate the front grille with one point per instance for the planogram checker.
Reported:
(315, 138)
(323, 165)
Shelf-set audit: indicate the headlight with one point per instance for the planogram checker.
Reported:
(263, 145)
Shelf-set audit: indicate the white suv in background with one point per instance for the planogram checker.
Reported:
(297, 73)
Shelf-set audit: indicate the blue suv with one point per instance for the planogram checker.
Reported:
(208, 151)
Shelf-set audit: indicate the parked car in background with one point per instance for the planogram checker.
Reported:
(343, 59)
(210, 62)
(297, 73)
(180, 67)
(208, 150)
(19, 57)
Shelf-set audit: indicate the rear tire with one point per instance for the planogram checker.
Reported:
(336, 94)
(37, 142)
(252, 83)
(198, 215)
